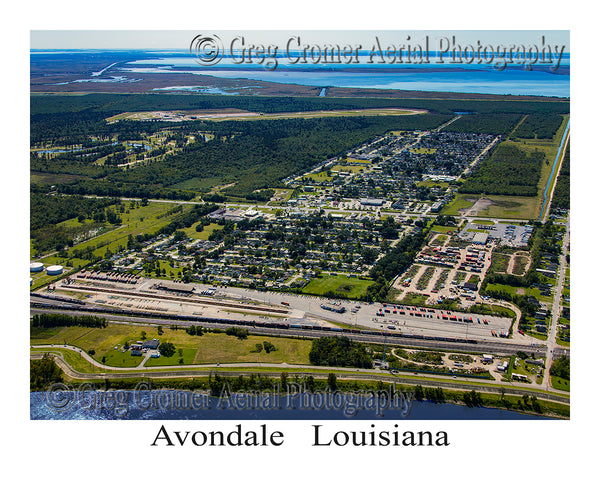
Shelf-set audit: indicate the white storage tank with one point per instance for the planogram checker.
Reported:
(36, 267)
(54, 270)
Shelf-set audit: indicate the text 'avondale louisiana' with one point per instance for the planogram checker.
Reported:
(321, 436)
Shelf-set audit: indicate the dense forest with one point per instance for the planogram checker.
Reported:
(339, 352)
(541, 126)
(508, 171)
(253, 155)
(52, 209)
(395, 262)
(48, 211)
(111, 104)
(562, 191)
(497, 124)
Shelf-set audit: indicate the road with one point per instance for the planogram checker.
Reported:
(188, 371)
(556, 308)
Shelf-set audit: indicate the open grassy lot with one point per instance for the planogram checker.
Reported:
(502, 206)
(443, 229)
(208, 348)
(319, 177)
(136, 221)
(432, 183)
(44, 178)
(226, 349)
(461, 201)
(348, 168)
(99, 339)
(499, 263)
(204, 234)
(423, 150)
(560, 383)
(185, 358)
(530, 291)
(439, 240)
(351, 287)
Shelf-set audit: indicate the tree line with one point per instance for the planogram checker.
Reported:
(49, 320)
(508, 171)
(339, 352)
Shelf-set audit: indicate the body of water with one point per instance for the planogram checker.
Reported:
(132, 405)
(434, 78)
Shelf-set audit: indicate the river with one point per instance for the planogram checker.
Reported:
(179, 405)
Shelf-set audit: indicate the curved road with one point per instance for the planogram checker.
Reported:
(344, 373)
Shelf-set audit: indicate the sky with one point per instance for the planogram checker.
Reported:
(180, 39)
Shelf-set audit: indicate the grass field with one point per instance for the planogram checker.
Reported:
(43, 178)
(535, 292)
(204, 234)
(502, 206)
(516, 207)
(443, 229)
(348, 168)
(560, 383)
(138, 221)
(351, 287)
(319, 177)
(432, 183)
(208, 348)
(423, 150)
(461, 201)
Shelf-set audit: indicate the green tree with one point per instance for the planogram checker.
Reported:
(167, 349)
(332, 382)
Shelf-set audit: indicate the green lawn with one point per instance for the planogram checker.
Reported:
(187, 354)
(348, 168)
(319, 177)
(351, 287)
(441, 229)
(461, 201)
(513, 290)
(138, 221)
(204, 234)
(502, 206)
(208, 348)
(560, 383)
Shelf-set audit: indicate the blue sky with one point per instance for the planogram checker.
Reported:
(180, 39)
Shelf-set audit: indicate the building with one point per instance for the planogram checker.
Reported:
(503, 367)
(436, 207)
(373, 202)
(151, 344)
(480, 238)
(179, 288)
